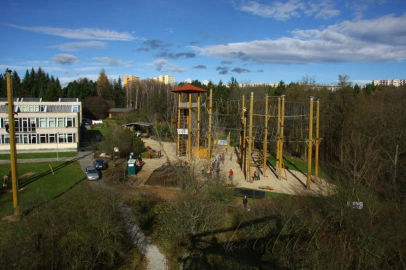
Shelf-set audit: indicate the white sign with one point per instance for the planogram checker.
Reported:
(116, 149)
(183, 131)
(222, 142)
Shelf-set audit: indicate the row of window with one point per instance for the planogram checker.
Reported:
(23, 124)
(40, 108)
(40, 138)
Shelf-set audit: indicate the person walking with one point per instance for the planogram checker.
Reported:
(245, 201)
(230, 176)
(5, 180)
(203, 169)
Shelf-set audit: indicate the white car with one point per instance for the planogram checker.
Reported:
(92, 174)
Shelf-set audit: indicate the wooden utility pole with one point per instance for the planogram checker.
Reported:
(310, 145)
(244, 135)
(278, 134)
(13, 154)
(178, 137)
(198, 126)
(250, 139)
(210, 123)
(189, 127)
(281, 136)
(318, 140)
(265, 135)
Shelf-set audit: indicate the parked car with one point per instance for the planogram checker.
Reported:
(92, 173)
(100, 164)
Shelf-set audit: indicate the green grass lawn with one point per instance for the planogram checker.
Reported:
(39, 155)
(43, 188)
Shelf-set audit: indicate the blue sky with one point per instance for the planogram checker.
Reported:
(253, 41)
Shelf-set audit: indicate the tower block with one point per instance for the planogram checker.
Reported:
(188, 120)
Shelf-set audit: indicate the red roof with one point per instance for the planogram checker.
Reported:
(188, 88)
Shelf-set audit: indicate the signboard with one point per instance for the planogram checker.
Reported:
(222, 142)
(183, 131)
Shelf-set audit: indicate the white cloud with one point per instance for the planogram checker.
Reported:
(188, 80)
(74, 46)
(376, 40)
(108, 60)
(163, 65)
(80, 33)
(65, 59)
(323, 9)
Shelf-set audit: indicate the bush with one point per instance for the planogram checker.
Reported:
(80, 230)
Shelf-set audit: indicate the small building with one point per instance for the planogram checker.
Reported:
(118, 112)
(42, 126)
(140, 128)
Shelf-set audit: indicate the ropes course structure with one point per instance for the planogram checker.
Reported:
(261, 131)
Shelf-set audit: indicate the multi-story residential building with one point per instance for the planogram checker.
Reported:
(394, 82)
(165, 79)
(42, 126)
(129, 79)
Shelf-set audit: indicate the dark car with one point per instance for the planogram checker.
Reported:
(100, 164)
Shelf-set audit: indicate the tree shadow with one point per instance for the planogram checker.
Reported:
(36, 177)
(249, 253)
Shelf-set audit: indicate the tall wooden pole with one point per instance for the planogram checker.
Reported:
(316, 170)
(244, 135)
(250, 139)
(189, 126)
(281, 137)
(278, 132)
(178, 138)
(13, 154)
(265, 135)
(210, 129)
(310, 145)
(198, 125)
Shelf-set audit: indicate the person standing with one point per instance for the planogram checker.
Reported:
(245, 201)
(5, 180)
(230, 176)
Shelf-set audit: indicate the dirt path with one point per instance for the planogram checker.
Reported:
(156, 260)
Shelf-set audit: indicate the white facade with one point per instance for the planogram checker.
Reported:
(165, 79)
(394, 82)
(42, 126)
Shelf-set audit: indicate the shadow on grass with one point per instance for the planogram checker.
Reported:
(248, 253)
(48, 172)
(27, 211)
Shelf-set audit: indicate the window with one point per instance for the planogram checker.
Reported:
(51, 122)
(70, 138)
(62, 138)
(43, 138)
(43, 122)
(33, 138)
(4, 139)
(75, 108)
(61, 122)
(51, 138)
(70, 122)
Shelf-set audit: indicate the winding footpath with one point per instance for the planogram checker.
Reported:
(156, 260)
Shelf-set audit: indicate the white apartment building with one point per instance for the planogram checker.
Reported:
(394, 82)
(129, 79)
(165, 79)
(42, 126)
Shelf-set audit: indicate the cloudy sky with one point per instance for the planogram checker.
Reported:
(254, 41)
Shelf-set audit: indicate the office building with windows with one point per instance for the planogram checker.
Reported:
(42, 126)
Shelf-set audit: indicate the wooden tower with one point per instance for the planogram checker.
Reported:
(188, 120)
